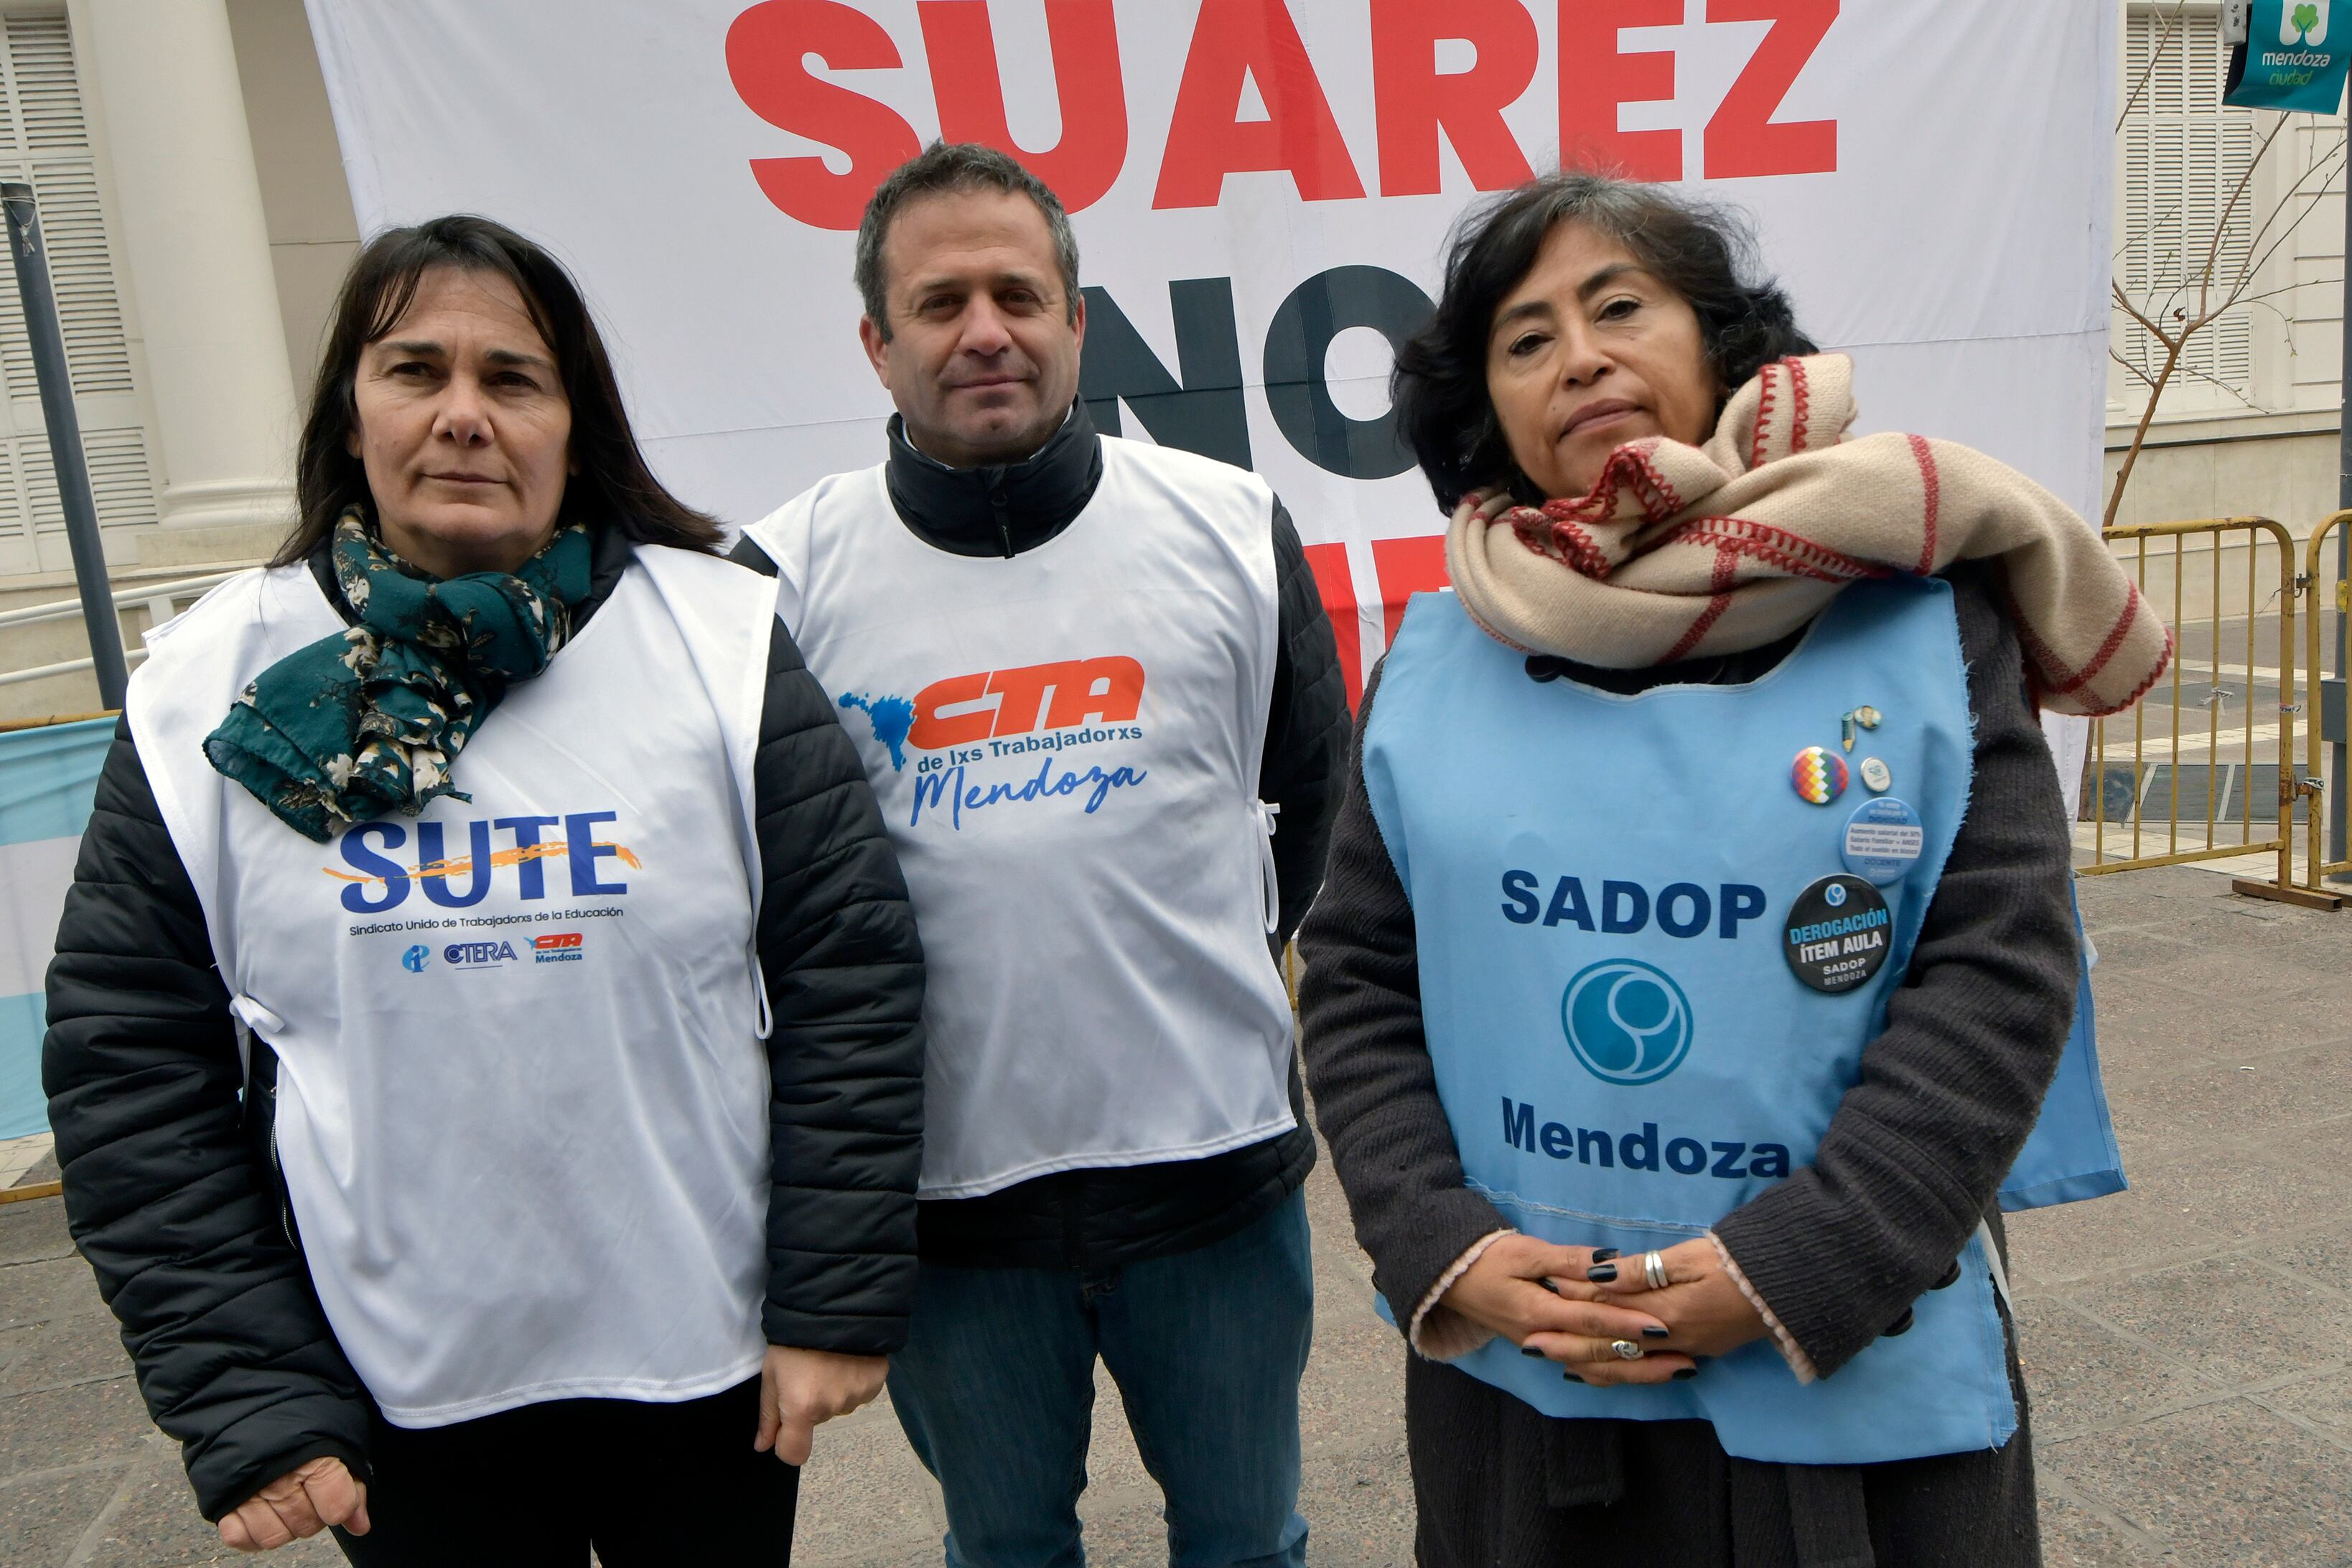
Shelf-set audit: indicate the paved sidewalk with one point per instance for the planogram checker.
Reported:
(2188, 1344)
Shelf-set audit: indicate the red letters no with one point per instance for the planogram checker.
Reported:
(1413, 564)
(1415, 103)
(1742, 142)
(1233, 41)
(966, 80)
(1594, 78)
(765, 46)
(1336, 585)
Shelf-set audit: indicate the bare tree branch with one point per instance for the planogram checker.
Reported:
(2134, 312)
(2310, 199)
(2136, 370)
(2289, 289)
(2140, 434)
(2221, 225)
(2184, 298)
(2194, 373)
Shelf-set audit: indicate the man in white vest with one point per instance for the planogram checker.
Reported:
(1085, 674)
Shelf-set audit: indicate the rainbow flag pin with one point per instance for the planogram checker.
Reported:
(1819, 775)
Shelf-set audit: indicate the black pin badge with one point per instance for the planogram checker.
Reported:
(1838, 935)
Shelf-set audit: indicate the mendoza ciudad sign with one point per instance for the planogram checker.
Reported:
(2293, 57)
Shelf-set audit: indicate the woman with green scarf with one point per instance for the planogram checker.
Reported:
(484, 1048)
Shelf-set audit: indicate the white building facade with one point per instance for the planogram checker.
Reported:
(193, 199)
(2248, 424)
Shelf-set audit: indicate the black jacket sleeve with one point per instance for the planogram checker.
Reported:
(1305, 729)
(233, 1355)
(1367, 1060)
(1915, 1156)
(845, 977)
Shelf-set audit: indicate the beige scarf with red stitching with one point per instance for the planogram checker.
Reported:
(1682, 551)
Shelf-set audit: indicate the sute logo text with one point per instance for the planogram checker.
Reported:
(494, 846)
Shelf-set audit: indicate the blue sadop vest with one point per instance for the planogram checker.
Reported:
(1608, 892)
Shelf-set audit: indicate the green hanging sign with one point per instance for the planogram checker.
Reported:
(2294, 57)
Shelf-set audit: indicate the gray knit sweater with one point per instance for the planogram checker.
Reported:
(1918, 1149)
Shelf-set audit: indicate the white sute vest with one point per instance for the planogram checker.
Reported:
(1065, 745)
(523, 1103)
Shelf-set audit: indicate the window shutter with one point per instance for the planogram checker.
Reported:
(2184, 155)
(44, 138)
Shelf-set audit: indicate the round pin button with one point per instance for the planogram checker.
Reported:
(1837, 934)
(1881, 840)
(1876, 776)
(1819, 775)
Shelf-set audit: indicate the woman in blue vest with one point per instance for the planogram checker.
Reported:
(1696, 949)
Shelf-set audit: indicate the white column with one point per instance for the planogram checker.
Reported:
(198, 248)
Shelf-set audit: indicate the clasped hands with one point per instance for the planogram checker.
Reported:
(798, 1390)
(1574, 1305)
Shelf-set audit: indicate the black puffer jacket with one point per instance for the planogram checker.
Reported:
(172, 1197)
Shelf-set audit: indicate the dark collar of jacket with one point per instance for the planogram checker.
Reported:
(610, 552)
(1000, 509)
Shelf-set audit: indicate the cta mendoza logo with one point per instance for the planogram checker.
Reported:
(556, 947)
(1627, 1022)
(416, 958)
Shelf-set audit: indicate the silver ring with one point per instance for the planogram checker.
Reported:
(1626, 1350)
(1654, 1270)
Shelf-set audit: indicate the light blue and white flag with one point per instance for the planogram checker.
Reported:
(47, 777)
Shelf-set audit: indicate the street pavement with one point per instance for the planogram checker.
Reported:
(2188, 1344)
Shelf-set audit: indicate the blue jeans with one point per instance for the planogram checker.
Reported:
(996, 1392)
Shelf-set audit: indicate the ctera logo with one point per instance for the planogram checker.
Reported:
(1627, 1022)
(416, 958)
(478, 954)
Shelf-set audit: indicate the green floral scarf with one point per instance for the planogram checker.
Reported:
(368, 721)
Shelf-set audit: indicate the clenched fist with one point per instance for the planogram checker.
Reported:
(298, 1505)
(798, 1389)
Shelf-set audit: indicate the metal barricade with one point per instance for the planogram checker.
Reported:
(2205, 771)
(2326, 701)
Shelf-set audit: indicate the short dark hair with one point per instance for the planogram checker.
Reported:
(1705, 253)
(614, 488)
(941, 168)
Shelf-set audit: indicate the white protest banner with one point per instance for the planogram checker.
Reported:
(1262, 193)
